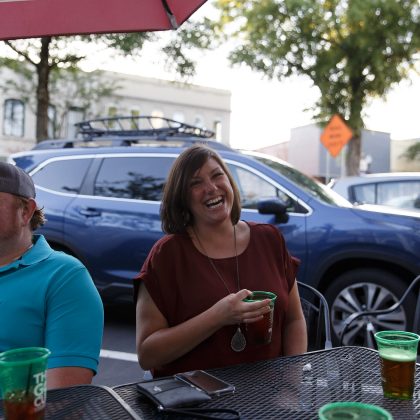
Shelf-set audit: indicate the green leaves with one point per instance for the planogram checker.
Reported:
(413, 152)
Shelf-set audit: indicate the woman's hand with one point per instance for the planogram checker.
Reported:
(233, 310)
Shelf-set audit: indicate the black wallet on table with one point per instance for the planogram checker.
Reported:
(171, 392)
(171, 395)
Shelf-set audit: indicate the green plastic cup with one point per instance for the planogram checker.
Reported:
(23, 382)
(398, 353)
(352, 411)
(260, 332)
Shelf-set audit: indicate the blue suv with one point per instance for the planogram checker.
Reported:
(101, 195)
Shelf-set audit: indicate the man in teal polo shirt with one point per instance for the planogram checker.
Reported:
(47, 298)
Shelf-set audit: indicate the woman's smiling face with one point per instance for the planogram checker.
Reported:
(211, 195)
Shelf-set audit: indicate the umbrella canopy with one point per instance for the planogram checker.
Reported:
(38, 18)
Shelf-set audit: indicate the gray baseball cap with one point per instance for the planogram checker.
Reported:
(14, 180)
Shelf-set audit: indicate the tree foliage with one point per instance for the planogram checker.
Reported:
(413, 152)
(352, 50)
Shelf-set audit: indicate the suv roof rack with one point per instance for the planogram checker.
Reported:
(142, 125)
(132, 130)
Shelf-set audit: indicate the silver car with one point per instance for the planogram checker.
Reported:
(401, 190)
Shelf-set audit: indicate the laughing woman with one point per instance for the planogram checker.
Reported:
(190, 312)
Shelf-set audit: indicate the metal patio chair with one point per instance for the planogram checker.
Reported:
(317, 315)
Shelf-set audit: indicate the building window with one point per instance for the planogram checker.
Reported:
(52, 121)
(74, 116)
(14, 117)
(135, 113)
(156, 121)
(112, 112)
(217, 128)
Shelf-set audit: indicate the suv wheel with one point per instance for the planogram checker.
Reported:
(362, 290)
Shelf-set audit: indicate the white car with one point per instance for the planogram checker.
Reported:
(398, 189)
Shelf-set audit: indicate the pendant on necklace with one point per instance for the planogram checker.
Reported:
(238, 341)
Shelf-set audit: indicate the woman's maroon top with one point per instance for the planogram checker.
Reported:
(182, 283)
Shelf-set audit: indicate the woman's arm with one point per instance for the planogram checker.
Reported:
(295, 338)
(158, 344)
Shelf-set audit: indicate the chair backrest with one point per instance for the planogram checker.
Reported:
(317, 315)
(347, 324)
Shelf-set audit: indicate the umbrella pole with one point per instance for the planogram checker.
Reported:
(170, 15)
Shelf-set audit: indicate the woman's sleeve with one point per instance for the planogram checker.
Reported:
(289, 263)
(154, 275)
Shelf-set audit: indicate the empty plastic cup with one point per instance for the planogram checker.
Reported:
(398, 353)
(352, 411)
(23, 382)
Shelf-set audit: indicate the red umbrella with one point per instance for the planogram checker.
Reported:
(38, 18)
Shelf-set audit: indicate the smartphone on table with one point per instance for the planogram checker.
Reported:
(207, 382)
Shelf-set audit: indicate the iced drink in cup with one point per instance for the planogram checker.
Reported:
(398, 353)
(259, 332)
(23, 382)
(348, 410)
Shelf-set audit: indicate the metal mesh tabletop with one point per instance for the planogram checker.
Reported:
(85, 402)
(296, 387)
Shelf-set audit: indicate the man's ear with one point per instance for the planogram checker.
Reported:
(28, 210)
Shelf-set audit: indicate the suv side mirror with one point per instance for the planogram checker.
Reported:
(274, 206)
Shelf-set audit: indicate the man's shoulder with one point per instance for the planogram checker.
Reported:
(60, 258)
(45, 252)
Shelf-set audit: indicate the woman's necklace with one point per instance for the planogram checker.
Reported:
(238, 341)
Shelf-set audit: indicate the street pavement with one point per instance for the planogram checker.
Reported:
(118, 362)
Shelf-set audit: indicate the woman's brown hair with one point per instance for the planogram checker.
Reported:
(174, 211)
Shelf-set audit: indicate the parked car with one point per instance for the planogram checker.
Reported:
(401, 190)
(101, 195)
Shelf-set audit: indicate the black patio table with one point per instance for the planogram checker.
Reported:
(296, 387)
(82, 402)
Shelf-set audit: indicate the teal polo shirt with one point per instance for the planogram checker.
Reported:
(48, 299)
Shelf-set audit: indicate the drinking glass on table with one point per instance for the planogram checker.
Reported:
(398, 353)
(23, 382)
(348, 410)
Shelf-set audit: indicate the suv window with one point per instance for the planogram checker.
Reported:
(64, 175)
(140, 178)
(253, 187)
(312, 187)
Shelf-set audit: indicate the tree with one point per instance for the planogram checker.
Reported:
(413, 152)
(51, 54)
(67, 88)
(44, 56)
(352, 50)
